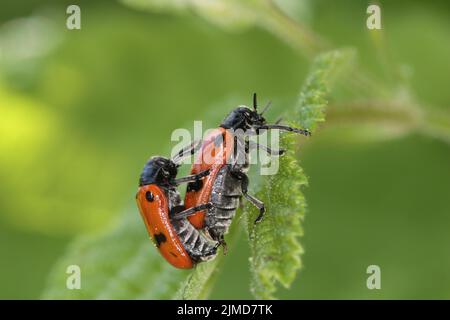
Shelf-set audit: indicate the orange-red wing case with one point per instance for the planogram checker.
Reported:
(156, 218)
(216, 150)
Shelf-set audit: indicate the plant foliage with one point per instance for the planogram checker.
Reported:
(275, 242)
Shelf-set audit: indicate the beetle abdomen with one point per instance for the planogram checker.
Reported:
(225, 195)
(198, 246)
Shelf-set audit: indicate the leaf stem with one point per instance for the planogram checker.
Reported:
(405, 117)
(293, 32)
(428, 121)
(309, 44)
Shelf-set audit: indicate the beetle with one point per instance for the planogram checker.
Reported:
(227, 181)
(164, 214)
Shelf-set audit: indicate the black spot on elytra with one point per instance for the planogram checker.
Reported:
(159, 238)
(194, 186)
(149, 196)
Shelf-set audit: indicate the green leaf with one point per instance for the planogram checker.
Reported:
(312, 100)
(199, 283)
(275, 241)
(120, 264)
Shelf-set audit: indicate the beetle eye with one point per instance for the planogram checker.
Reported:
(149, 196)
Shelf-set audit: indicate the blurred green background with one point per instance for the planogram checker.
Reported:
(81, 111)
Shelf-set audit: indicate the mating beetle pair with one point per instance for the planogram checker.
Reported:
(190, 233)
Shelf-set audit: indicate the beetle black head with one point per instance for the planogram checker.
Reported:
(160, 171)
(244, 118)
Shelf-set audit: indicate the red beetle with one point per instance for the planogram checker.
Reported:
(225, 154)
(165, 217)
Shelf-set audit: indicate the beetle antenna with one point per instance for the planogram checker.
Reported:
(255, 105)
(266, 107)
(279, 120)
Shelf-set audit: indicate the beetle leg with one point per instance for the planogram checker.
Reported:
(224, 245)
(191, 211)
(255, 201)
(187, 151)
(240, 154)
(253, 145)
(193, 177)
